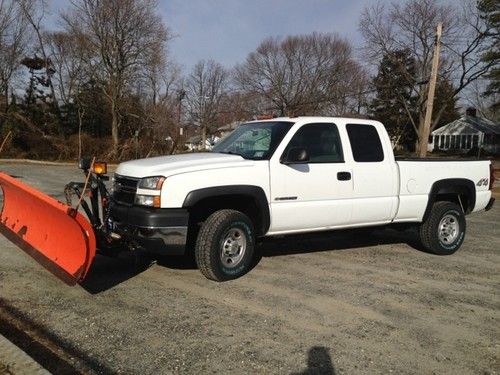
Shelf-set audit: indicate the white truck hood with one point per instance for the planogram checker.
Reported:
(183, 163)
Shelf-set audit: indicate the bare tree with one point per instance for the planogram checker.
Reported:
(71, 73)
(163, 81)
(410, 25)
(34, 12)
(205, 88)
(68, 62)
(120, 36)
(300, 74)
(485, 104)
(13, 42)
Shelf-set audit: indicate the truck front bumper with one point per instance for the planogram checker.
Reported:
(158, 230)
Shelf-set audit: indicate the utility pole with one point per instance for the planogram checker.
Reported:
(424, 135)
(180, 97)
(203, 108)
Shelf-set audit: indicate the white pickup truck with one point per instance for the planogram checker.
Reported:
(291, 175)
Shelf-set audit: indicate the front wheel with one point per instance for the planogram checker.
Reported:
(443, 231)
(225, 245)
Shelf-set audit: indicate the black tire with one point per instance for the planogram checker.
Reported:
(433, 234)
(221, 235)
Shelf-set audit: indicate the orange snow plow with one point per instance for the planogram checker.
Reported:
(53, 233)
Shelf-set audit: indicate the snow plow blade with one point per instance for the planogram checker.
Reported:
(53, 233)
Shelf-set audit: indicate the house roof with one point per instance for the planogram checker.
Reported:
(194, 139)
(469, 125)
(231, 126)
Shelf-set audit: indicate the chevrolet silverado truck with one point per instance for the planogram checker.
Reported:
(291, 175)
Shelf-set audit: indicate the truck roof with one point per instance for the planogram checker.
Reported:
(319, 118)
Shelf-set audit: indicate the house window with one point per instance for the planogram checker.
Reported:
(463, 140)
(453, 141)
(441, 142)
(475, 140)
(469, 141)
(489, 139)
(447, 142)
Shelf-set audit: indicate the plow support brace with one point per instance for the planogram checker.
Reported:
(54, 234)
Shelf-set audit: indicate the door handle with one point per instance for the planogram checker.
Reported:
(343, 176)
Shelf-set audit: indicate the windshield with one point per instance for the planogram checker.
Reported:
(256, 141)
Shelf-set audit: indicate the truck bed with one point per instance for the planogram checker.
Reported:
(417, 177)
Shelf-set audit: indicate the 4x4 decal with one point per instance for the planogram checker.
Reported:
(482, 182)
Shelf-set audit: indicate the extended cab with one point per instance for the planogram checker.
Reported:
(291, 175)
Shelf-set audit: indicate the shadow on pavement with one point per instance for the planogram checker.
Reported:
(335, 240)
(107, 272)
(319, 362)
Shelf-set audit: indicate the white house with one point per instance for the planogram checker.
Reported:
(228, 128)
(195, 143)
(469, 131)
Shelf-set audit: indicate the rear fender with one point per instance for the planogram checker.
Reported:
(456, 186)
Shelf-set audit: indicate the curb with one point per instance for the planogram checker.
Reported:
(45, 162)
(42, 162)
(15, 361)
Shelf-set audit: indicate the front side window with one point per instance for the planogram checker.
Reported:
(256, 141)
(321, 142)
(365, 143)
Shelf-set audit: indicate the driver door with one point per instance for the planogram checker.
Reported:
(316, 194)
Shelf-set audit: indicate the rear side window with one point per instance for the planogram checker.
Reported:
(365, 143)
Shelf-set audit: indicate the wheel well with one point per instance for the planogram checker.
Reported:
(459, 191)
(245, 204)
(461, 199)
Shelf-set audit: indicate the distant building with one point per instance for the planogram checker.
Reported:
(226, 129)
(469, 131)
(195, 143)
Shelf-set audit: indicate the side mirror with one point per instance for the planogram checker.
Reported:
(296, 155)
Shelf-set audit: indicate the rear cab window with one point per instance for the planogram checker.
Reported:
(365, 143)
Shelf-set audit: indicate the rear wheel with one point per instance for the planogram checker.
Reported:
(225, 245)
(443, 231)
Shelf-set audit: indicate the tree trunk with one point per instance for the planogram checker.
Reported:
(81, 113)
(5, 110)
(203, 137)
(115, 123)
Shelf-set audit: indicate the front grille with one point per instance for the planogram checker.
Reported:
(124, 189)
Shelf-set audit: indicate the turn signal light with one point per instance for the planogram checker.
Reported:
(100, 167)
(157, 201)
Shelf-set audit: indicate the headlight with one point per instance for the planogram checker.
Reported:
(152, 183)
(148, 200)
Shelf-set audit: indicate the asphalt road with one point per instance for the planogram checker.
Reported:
(334, 303)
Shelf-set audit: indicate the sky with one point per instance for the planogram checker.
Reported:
(228, 30)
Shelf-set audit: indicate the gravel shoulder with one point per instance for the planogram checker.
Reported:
(334, 303)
